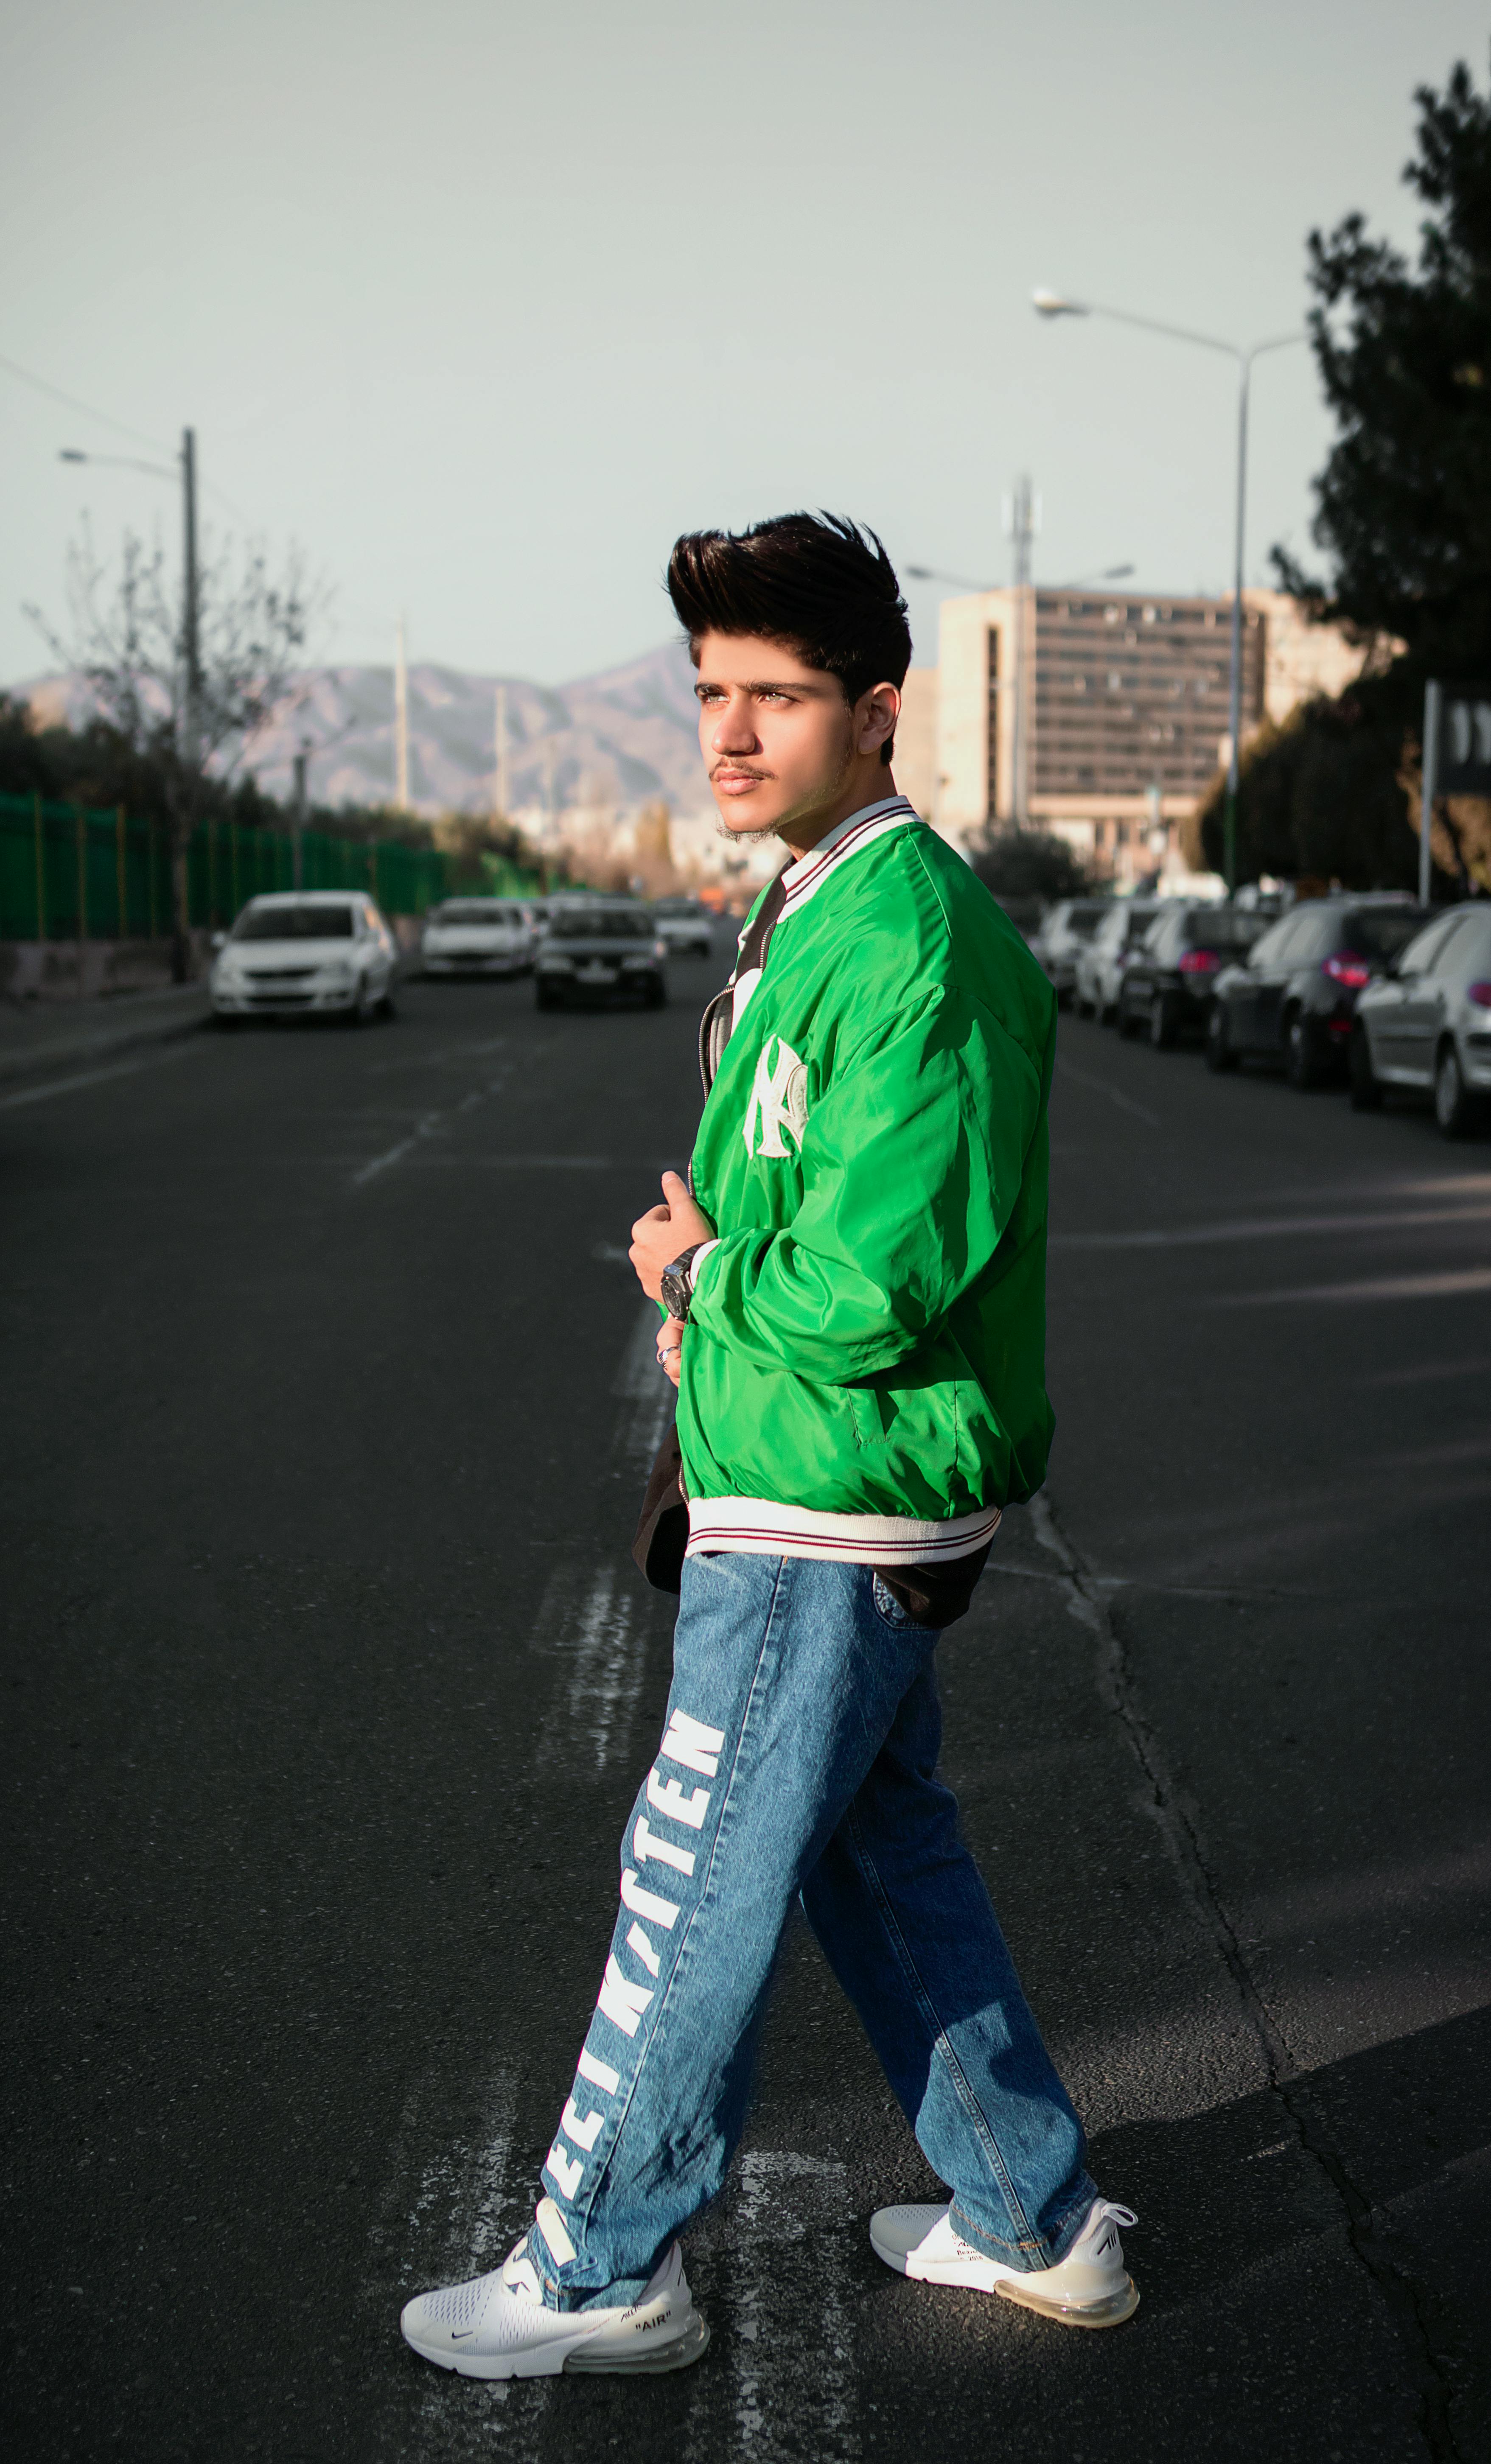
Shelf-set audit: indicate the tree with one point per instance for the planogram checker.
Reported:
(1027, 866)
(126, 637)
(1403, 505)
(1321, 796)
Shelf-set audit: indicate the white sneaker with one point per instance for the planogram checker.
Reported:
(1090, 2288)
(497, 2326)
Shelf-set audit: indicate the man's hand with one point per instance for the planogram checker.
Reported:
(664, 1233)
(670, 1343)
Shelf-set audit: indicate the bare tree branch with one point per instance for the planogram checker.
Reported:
(126, 636)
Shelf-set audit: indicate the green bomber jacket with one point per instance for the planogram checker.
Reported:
(864, 1374)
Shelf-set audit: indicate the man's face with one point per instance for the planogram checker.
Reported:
(778, 740)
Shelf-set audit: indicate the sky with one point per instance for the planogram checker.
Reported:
(479, 304)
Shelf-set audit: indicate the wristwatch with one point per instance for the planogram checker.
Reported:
(676, 1286)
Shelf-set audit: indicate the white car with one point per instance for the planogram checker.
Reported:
(1101, 961)
(479, 937)
(685, 925)
(323, 951)
(1426, 1023)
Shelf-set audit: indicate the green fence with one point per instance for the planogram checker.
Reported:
(68, 875)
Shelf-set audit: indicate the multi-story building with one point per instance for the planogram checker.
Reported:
(1104, 717)
(916, 740)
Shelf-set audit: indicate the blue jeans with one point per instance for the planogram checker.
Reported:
(799, 1757)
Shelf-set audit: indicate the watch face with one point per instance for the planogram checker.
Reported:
(674, 1285)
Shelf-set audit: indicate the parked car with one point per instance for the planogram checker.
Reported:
(684, 926)
(1105, 957)
(598, 947)
(1293, 998)
(1425, 1024)
(1061, 935)
(1168, 983)
(328, 951)
(478, 936)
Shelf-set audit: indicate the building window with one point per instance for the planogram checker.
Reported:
(992, 728)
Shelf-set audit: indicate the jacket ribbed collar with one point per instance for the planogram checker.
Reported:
(802, 880)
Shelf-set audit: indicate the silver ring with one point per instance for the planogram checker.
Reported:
(666, 1351)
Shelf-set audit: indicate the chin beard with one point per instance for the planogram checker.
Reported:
(743, 838)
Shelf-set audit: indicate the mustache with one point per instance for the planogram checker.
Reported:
(740, 769)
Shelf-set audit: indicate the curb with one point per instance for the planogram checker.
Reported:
(181, 1011)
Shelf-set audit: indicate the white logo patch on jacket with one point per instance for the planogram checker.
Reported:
(779, 1099)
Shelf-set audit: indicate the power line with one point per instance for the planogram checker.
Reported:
(117, 425)
(14, 370)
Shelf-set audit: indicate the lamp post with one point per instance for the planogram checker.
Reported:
(960, 582)
(1053, 304)
(190, 641)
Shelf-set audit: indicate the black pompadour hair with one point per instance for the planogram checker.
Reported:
(821, 586)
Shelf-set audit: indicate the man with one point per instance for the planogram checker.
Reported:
(854, 1319)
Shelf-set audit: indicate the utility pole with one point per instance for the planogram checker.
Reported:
(1021, 522)
(401, 725)
(191, 643)
(297, 820)
(188, 779)
(191, 711)
(1234, 682)
(499, 783)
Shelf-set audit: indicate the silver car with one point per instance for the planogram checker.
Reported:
(1101, 959)
(1059, 936)
(1426, 1026)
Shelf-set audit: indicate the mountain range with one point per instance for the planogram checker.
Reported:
(609, 742)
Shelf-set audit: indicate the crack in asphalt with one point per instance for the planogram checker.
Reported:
(1405, 2300)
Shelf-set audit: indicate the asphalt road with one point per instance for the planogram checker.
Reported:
(329, 1682)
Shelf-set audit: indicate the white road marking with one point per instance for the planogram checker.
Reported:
(1280, 1227)
(97, 1077)
(393, 1154)
(448, 2213)
(527, 1163)
(448, 1052)
(429, 1127)
(1380, 1287)
(640, 1382)
(450, 2210)
(1115, 1095)
(1429, 1373)
(776, 2257)
(595, 1628)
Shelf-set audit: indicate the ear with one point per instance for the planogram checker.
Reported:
(876, 713)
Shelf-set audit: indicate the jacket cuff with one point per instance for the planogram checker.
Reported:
(697, 1260)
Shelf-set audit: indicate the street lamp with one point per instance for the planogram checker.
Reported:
(1053, 304)
(192, 664)
(960, 582)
